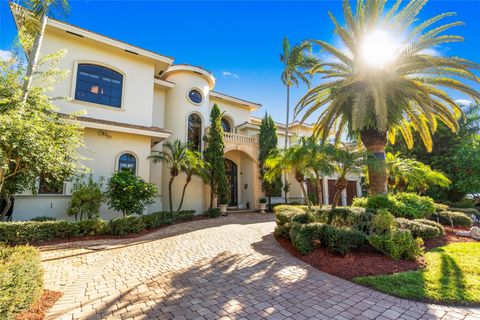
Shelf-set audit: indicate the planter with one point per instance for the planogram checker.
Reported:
(262, 207)
(223, 209)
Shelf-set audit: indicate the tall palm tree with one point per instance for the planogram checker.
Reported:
(174, 154)
(318, 158)
(296, 60)
(290, 160)
(385, 79)
(35, 19)
(193, 165)
(348, 160)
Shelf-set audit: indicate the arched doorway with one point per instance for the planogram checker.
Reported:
(232, 182)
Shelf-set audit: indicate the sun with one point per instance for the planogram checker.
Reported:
(379, 48)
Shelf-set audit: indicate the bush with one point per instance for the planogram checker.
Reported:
(43, 218)
(421, 228)
(86, 199)
(465, 203)
(91, 227)
(282, 231)
(341, 240)
(398, 244)
(21, 279)
(468, 211)
(452, 218)
(183, 215)
(340, 216)
(402, 205)
(303, 236)
(285, 213)
(126, 225)
(383, 222)
(32, 231)
(301, 218)
(439, 207)
(212, 213)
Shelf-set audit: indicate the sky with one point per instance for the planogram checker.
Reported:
(238, 41)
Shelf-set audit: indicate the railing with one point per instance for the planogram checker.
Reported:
(239, 138)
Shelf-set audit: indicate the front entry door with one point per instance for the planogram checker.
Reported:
(231, 175)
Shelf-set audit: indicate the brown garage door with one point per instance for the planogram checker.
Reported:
(331, 190)
(351, 192)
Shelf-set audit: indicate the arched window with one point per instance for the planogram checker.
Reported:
(127, 161)
(226, 125)
(195, 132)
(99, 84)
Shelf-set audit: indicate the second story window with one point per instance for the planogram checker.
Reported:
(127, 161)
(226, 125)
(99, 84)
(194, 136)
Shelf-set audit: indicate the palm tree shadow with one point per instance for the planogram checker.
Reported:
(452, 281)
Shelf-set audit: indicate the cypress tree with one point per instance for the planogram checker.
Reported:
(268, 145)
(214, 159)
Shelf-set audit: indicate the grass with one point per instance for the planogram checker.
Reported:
(452, 275)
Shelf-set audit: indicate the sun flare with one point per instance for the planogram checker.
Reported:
(379, 48)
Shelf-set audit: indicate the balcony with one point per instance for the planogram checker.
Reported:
(239, 138)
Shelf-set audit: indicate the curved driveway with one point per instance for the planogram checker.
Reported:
(229, 268)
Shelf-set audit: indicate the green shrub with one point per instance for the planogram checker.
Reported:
(439, 207)
(43, 218)
(398, 244)
(87, 197)
(285, 213)
(340, 216)
(21, 279)
(183, 215)
(341, 240)
(212, 213)
(301, 218)
(91, 227)
(465, 203)
(303, 236)
(282, 231)
(126, 225)
(153, 220)
(467, 211)
(457, 219)
(403, 205)
(421, 228)
(382, 222)
(32, 231)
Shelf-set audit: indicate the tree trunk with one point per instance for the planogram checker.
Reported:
(300, 179)
(33, 58)
(340, 185)
(8, 203)
(375, 142)
(170, 192)
(286, 141)
(318, 186)
(189, 178)
(211, 196)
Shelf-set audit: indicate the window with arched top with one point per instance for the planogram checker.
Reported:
(127, 161)
(227, 127)
(194, 137)
(98, 84)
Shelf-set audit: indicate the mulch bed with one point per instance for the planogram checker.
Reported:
(37, 310)
(109, 236)
(366, 262)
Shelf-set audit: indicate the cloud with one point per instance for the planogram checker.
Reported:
(5, 55)
(464, 102)
(228, 74)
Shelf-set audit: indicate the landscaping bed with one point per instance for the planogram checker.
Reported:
(37, 310)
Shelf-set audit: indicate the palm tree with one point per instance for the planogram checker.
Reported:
(174, 154)
(377, 86)
(35, 19)
(318, 160)
(193, 165)
(412, 175)
(296, 60)
(290, 160)
(348, 160)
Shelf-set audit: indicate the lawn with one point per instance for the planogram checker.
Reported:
(452, 275)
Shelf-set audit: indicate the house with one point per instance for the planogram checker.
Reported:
(132, 101)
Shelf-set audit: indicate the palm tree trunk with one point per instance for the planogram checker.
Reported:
(286, 140)
(189, 178)
(300, 179)
(375, 143)
(319, 188)
(170, 192)
(340, 185)
(33, 58)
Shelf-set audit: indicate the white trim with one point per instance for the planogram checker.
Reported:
(243, 103)
(117, 160)
(239, 187)
(202, 128)
(198, 70)
(163, 83)
(108, 127)
(73, 86)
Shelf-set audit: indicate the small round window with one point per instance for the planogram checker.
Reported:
(195, 96)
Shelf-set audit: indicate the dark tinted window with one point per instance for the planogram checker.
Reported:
(127, 161)
(99, 84)
(195, 96)
(195, 132)
(226, 125)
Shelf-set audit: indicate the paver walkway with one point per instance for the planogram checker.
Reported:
(229, 267)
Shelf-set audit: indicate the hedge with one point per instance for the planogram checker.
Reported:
(21, 279)
(349, 217)
(397, 244)
(39, 231)
(457, 219)
(212, 213)
(468, 211)
(421, 228)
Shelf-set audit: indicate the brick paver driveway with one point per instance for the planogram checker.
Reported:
(208, 269)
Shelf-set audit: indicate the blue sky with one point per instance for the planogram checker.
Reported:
(239, 42)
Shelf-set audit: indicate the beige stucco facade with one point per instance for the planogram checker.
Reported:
(155, 107)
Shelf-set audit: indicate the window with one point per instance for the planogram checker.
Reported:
(226, 125)
(99, 84)
(195, 96)
(127, 161)
(50, 186)
(194, 137)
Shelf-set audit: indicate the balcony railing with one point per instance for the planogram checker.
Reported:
(239, 138)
